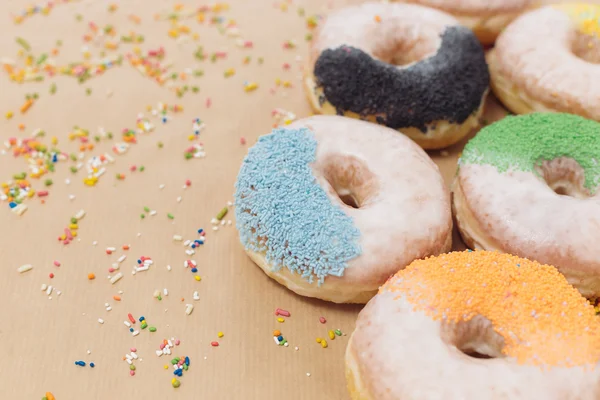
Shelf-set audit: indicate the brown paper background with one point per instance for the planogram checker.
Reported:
(40, 338)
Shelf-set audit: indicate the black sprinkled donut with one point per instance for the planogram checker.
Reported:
(435, 99)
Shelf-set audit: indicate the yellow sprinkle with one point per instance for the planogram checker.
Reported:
(191, 137)
(9, 114)
(324, 343)
(54, 140)
(251, 87)
(166, 366)
(319, 340)
(197, 278)
(229, 72)
(586, 17)
(331, 335)
(73, 226)
(220, 334)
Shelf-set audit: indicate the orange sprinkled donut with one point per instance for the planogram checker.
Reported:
(472, 326)
(487, 18)
(548, 60)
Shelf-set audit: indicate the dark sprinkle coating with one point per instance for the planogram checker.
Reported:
(447, 86)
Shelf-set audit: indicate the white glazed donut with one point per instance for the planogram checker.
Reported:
(475, 326)
(547, 60)
(331, 207)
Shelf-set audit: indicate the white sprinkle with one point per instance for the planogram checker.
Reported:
(152, 213)
(116, 278)
(165, 292)
(177, 238)
(127, 324)
(58, 292)
(67, 181)
(286, 344)
(190, 252)
(161, 186)
(25, 268)
(276, 340)
(71, 197)
(189, 308)
(100, 320)
(142, 269)
(229, 203)
(108, 308)
(134, 355)
(49, 290)
(80, 214)
(110, 249)
(170, 343)
(159, 352)
(179, 199)
(215, 228)
(128, 361)
(44, 286)
(116, 266)
(187, 242)
(296, 348)
(168, 267)
(308, 374)
(135, 333)
(94, 243)
(89, 352)
(122, 258)
(196, 296)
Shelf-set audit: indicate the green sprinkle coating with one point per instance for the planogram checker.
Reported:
(524, 142)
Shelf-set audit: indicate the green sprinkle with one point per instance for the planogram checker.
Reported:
(142, 168)
(170, 216)
(146, 209)
(338, 332)
(152, 328)
(53, 88)
(48, 182)
(195, 89)
(185, 367)
(132, 367)
(73, 157)
(198, 73)
(524, 142)
(23, 43)
(142, 216)
(175, 383)
(73, 220)
(88, 91)
(175, 361)
(109, 135)
(20, 176)
(188, 156)
(160, 145)
(308, 37)
(97, 138)
(222, 213)
(159, 298)
(41, 59)
(78, 17)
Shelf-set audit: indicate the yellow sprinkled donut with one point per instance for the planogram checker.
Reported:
(476, 325)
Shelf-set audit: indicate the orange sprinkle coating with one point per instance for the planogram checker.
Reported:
(542, 318)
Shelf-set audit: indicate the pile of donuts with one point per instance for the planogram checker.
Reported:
(348, 206)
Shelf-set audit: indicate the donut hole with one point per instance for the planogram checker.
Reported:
(403, 48)
(587, 48)
(475, 338)
(565, 177)
(350, 178)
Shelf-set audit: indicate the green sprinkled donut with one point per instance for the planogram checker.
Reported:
(524, 142)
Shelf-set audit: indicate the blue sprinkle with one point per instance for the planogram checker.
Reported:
(80, 363)
(142, 318)
(280, 338)
(200, 230)
(283, 212)
(139, 261)
(194, 270)
(12, 204)
(130, 329)
(193, 246)
(187, 361)
(92, 365)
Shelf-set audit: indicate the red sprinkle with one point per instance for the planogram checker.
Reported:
(108, 251)
(322, 320)
(111, 270)
(51, 275)
(42, 193)
(56, 263)
(131, 318)
(242, 140)
(188, 182)
(214, 344)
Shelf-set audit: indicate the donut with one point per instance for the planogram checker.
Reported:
(547, 60)
(486, 18)
(529, 185)
(475, 326)
(331, 207)
(410, 68)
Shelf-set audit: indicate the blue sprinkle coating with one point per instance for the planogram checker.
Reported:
(283, 212)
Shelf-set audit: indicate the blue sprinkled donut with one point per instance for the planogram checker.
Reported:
(331, 207)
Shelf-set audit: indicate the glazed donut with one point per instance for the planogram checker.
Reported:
(546, 60)
(475, 326)
(529, 185)
(331, 207)
(411, 68)
(486, 18)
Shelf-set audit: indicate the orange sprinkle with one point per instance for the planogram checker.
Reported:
(21, 126)
(377, 18)
(276, 333)
(542, 318)
(91, 276)
(117, 297)
(125, 247)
